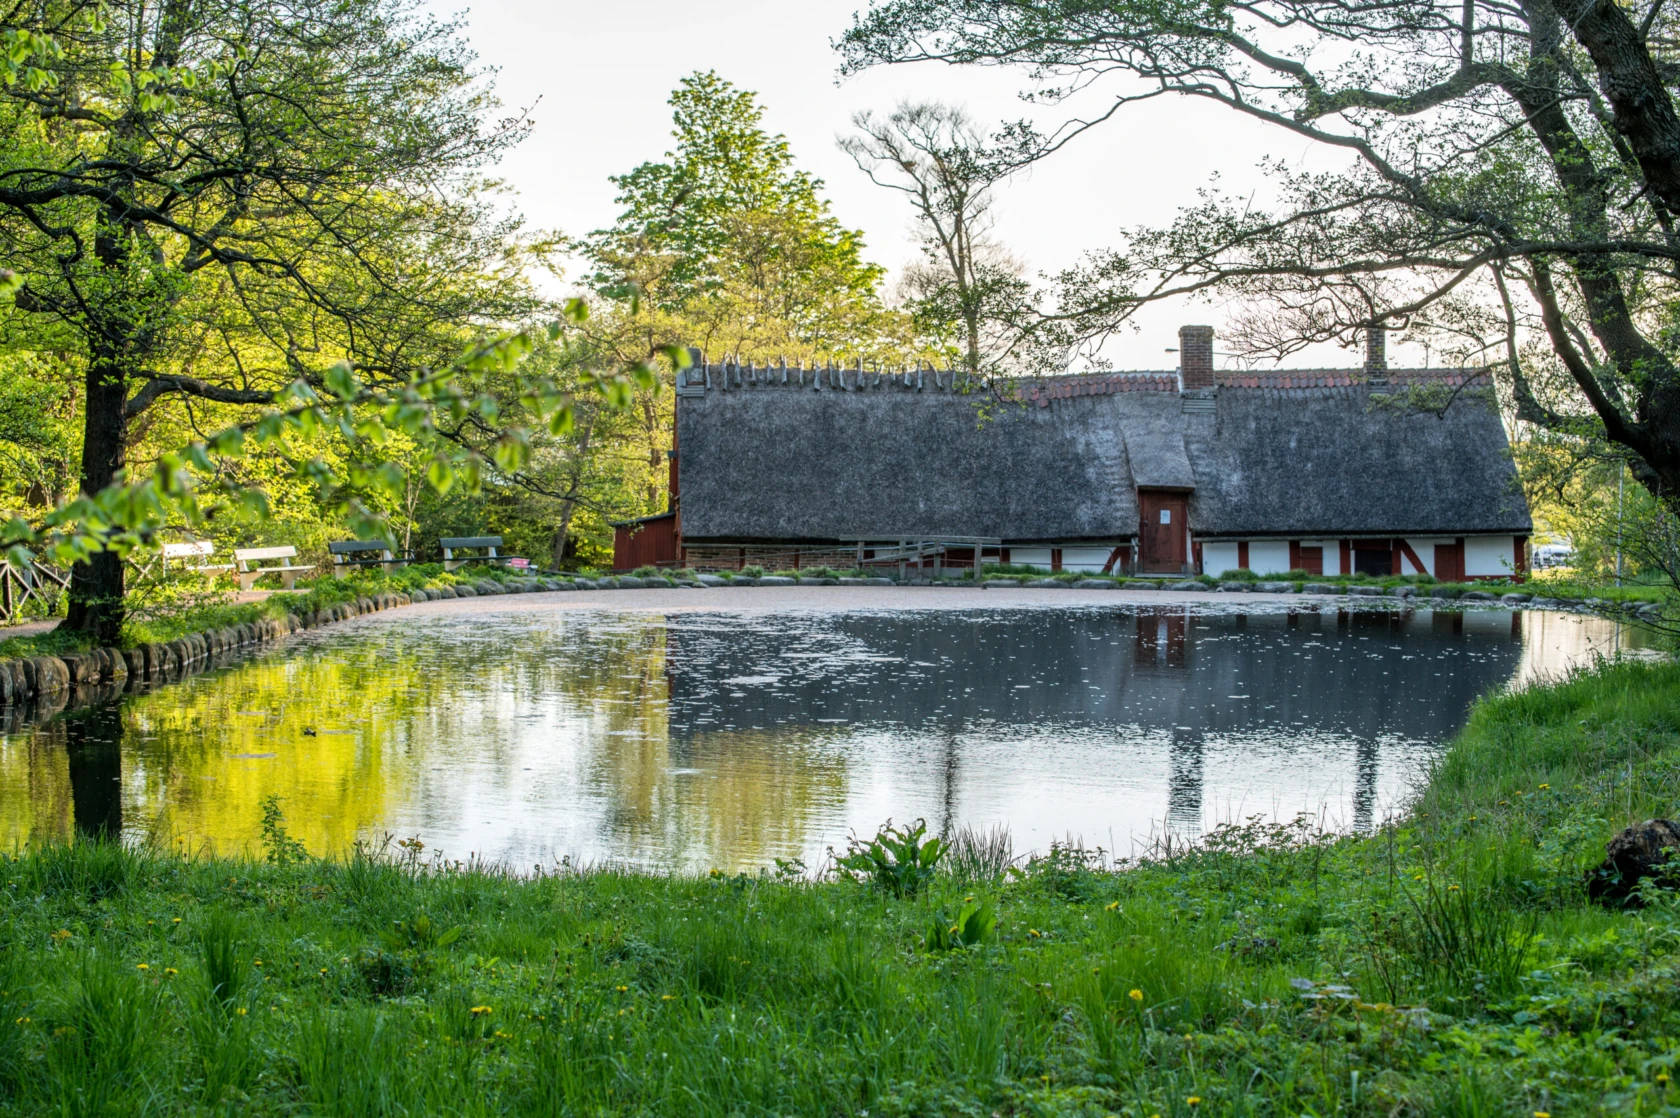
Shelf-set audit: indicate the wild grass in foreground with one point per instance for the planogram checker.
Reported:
(1448, 965)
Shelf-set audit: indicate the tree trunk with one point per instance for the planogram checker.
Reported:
(568, 507)
(96, 586)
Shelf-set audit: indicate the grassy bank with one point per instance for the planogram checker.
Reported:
(1447, 965)
(205, 610)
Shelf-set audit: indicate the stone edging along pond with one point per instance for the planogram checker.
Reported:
(105, 672)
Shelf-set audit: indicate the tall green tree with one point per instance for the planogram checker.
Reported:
(728, 245)
(213, 200)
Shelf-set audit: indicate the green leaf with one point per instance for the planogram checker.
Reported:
(341, 381)
(441, 475)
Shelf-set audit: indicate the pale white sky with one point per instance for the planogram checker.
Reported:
(599, 75)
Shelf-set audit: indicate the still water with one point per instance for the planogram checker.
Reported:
(691, 740)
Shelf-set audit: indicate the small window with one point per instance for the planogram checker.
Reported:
(1166, 516)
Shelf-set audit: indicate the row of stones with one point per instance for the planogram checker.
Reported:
(27, 678)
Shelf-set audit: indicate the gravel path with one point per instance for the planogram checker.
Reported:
(828, 599)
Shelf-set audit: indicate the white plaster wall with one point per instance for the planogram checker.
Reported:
(1268, 557)
(1030, 556)
(1090, 559)
(1425, 548)
(1219, 556)
(1488, 555)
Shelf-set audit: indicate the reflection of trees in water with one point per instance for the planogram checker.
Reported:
(757, 708)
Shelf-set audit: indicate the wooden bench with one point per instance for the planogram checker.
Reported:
(489, 544)
(350, 554)
(248, 574)
(192, 555)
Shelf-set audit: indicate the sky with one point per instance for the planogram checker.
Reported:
(596, 77)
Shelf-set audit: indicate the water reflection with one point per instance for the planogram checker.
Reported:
(721, 739)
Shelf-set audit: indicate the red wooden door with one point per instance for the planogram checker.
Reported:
(1449, 562)
(1164, 534)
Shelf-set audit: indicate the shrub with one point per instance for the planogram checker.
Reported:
(975, 925)
(896, 860)
(752, 572)
(1242, 574)
(644, 572)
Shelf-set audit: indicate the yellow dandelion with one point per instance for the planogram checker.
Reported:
(624, 989)
(141, 966)
(1112, 906)
(1034, 932)
(1193, 1100)
(323, 970)
(1452, 888)
(480, 1011)
(1136, 995)
(1541, 1113)
(1544, 787)
(1662, 1077)
(256, 962)
(170, 972)
(21, 1021)
(668, 997)
(240, 1012)
(177, 920)
(61, 935)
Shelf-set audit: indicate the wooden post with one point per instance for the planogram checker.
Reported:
(977, 553)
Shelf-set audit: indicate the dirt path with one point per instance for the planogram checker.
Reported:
(828, 599)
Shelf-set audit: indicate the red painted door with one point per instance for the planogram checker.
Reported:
(1449, 562)
(1163, 537)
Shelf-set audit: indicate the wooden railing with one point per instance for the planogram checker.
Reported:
(20, 585)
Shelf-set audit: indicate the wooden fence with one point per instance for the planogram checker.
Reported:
(21, 585)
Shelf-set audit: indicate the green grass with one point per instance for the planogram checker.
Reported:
(1448, 964)
(217, 611)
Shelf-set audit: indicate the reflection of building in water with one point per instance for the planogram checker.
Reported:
(1184, 785)
(697, 740)
(1203, 682)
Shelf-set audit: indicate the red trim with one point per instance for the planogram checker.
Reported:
(1295, 555)
(1347, 558)
(1395, 566)
(1406, 550)
(1003, 555)
(1519, 556)
(1055, 559)
(1242, 554)
(1196, 556)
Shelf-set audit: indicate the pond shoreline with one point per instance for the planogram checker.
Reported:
(77, 679)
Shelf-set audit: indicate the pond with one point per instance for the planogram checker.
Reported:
(693, 739)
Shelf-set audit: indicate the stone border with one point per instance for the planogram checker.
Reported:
(26, 679)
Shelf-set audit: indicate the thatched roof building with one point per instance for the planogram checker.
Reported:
(1325, 470)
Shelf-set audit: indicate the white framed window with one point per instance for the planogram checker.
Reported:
(1166, 516)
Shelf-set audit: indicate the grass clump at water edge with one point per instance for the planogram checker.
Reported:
(1448, 964)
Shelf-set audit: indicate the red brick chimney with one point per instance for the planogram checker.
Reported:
(1195, 357)
(1376, 353)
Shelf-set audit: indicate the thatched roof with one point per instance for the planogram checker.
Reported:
(832, 456)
